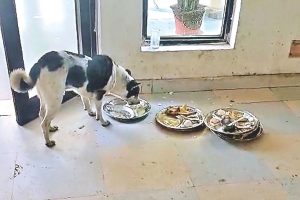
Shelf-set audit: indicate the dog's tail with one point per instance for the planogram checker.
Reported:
(22, 82)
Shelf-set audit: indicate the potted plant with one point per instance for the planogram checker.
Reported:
(188, 16)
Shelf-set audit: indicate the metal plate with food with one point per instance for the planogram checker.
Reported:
(242, 138)
(180, 118)
(122, 110)
(231, 121)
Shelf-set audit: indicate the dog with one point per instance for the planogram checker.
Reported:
(90, 77)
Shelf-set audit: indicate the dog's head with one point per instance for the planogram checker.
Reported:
(132, 88)
(126, 85)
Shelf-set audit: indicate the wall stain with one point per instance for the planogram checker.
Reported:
(200, 55)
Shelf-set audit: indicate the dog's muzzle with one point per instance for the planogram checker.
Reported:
(133, 100)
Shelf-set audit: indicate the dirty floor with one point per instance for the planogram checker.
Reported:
(142, 161)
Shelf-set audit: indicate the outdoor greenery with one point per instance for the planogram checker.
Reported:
(187, 5)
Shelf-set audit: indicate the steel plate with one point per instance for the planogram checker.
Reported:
(244, 138)
(121, 110)
(234, 114)
(178, 122)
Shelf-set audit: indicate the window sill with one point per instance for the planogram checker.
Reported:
(201, 47)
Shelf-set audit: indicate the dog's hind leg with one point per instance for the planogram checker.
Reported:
(42, 112)
(51, 109)
(98, 103)
(51, 87)
(46, 126)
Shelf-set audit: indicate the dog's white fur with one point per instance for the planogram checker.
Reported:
(51, 87)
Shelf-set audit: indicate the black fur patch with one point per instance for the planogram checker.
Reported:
(34, 74)
(75, 54)
(99, 94)
(98, 72)
(76, 76)
(52, 60)
(35, 71)
(25, 86)
(133, 88)
(128, 71)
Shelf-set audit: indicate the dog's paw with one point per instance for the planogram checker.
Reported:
(105, 123)
(92, 114)
(53, 128)
(50, 144)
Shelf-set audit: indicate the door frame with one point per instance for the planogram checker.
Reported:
(26, 108)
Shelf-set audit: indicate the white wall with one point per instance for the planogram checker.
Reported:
(265, 32)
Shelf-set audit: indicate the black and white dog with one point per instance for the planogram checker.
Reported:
(91, 78)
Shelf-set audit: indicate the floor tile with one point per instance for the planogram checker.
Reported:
(173, 194)
(275, 117)
(294, 106)
(279, 153)
(7, 172)
(154, 165)
(291, 186)
(71, 170)
(15, 138)
(246, 95)
(89, 197)
(287, 93)
(243, 191)
(6, 108)
(211, 160)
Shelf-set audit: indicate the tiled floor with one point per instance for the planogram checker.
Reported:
(142, 161)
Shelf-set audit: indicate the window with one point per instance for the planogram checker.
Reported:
(185, 22)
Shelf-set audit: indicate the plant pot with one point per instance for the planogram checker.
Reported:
(188, 23)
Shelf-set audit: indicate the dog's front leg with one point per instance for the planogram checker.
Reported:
(87, 106)
(98, 103)
(99, 114)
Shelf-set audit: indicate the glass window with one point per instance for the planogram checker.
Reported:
(187, 21)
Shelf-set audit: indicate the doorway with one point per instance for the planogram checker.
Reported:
(31, 28)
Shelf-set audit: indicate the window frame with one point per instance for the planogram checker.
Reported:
(192, 40)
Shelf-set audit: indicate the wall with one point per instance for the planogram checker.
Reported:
(266, 29)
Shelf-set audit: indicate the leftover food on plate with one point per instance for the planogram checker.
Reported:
(233, 124)
(179, 110)
(181, 117)
(121, 110)
(242, 137)
(231, 121)
(169, 121)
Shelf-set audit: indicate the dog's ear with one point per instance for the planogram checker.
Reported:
(128, 71)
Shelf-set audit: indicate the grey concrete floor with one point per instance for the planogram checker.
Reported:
(142, 161)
